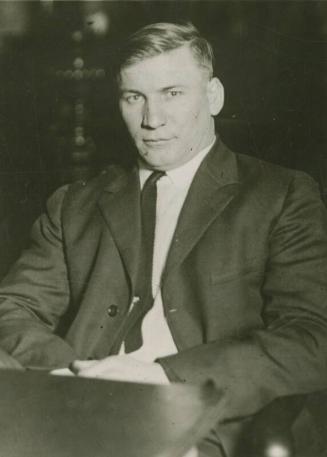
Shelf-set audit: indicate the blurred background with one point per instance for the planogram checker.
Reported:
(58, 117)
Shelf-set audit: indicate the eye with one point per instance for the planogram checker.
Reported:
(133, 98)
(172, 93)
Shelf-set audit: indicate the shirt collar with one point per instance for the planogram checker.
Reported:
(180, 176)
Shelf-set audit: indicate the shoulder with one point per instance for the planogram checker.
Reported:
(251, 167)
(88, 191)
(273, 180)
(80, 197)
(92, 187)
(266, 189)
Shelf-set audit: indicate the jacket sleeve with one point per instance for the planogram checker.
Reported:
(288, 355)
(35, 294)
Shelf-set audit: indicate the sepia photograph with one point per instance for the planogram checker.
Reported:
(163, 228)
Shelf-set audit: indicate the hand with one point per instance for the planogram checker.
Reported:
(62, 372)
(192, 453)
(120, 368)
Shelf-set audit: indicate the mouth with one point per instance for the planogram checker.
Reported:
(157, 141)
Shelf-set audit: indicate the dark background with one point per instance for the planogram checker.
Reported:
(58, 118)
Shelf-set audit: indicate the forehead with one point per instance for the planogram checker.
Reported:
(176, 67)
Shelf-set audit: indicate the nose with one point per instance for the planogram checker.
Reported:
(153, 115)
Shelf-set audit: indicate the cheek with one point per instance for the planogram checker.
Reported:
(131, 122)
(191, 119)
(184, 118)
(194, 111)
(200, 115)
(131, 125)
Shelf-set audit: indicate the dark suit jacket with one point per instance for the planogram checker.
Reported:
(244, 288)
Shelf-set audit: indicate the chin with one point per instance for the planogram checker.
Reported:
(155, 159)
(157, 166)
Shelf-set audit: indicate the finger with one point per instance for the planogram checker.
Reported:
(192, 453)
(79, 365)
(98, 368)
(62, 372)
(111, 368)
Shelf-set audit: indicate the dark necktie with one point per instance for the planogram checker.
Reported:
(133, 339)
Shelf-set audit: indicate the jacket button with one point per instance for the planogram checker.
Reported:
(112, 310)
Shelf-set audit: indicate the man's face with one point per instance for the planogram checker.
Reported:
(167, 103)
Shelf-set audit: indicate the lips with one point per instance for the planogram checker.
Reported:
(156, 141)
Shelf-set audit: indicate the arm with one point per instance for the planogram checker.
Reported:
(8, 362)
(288, 355)
(35, 294)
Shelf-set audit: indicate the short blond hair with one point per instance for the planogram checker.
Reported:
(161, 37)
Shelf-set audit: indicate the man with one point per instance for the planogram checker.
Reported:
(233, 288)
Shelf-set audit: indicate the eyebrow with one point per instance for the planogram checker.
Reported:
(163, 89)
(175, 86)
(129, 91)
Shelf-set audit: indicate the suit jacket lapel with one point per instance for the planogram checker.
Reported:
(120, 207)
(213, 188)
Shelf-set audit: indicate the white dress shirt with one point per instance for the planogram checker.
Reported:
(171, 193)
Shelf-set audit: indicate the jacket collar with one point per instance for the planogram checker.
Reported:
(120, 208)
(213, 188)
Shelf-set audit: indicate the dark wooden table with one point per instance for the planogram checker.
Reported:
(52, 416)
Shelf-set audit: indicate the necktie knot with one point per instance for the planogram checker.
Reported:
(148, 210)
(153, 178)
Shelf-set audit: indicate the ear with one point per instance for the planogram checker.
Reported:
(216, 96)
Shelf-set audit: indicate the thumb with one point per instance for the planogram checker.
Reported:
(77, 365)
